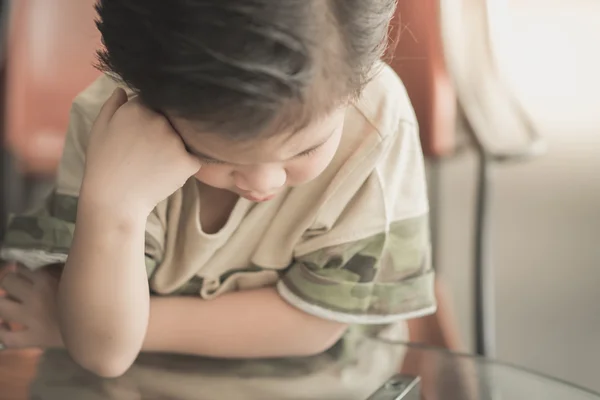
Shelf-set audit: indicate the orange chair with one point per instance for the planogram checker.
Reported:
(50, 56)
(416, 54)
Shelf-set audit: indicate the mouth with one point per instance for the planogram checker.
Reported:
(258, 199)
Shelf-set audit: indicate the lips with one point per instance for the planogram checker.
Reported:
(257, 199)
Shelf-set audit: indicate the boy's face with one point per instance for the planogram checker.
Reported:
(259, 169)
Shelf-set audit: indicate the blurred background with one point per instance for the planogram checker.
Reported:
(507, 87)
(545, 213)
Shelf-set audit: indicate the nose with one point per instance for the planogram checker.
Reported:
(263, 179)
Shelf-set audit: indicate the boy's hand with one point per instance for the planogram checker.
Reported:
(28, 308)
(134, 158)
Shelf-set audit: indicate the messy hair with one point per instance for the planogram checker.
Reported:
(243, 67)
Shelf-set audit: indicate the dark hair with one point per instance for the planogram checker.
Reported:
(243, 66)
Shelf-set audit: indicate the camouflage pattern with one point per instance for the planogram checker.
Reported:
(385, 274)
(48, 231)
(48, 227)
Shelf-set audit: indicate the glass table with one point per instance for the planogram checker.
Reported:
(442, 376)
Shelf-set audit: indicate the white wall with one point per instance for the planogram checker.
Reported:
(546, 214)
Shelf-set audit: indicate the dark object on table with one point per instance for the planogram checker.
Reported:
(399, 387)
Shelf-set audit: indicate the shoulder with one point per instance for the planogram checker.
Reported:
(88, 103)
(84, 111)
(380, 128)
(381, 143)
(378, 175)
(384, 103)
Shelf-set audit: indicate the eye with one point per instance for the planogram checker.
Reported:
(210, 161)
(308, 153)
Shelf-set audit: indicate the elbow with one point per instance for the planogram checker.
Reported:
(322, 340)
(107, 370)
(101, 359)
(103, 366)
(99, 352)
(98, 359)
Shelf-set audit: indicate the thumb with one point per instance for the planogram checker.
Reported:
(110, 107)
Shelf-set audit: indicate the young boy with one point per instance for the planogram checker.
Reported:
(256, 191)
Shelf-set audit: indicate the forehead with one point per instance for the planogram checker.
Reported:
(250, 150)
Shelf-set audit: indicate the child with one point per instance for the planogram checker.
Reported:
(255, 192)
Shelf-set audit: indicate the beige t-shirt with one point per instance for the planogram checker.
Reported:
(350, 246)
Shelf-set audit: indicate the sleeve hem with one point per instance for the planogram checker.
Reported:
(32, 259)
(348, 318)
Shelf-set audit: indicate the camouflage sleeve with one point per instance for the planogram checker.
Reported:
(376, 280)
(43, 236)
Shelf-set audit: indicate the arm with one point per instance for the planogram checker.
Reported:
(103, 294)
(270, 326)
(108, 341)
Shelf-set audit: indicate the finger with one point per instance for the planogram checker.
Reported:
(10, 339)
(4, 324)
(194, 161)
(16, 287)
(11, 311)
(110, 107)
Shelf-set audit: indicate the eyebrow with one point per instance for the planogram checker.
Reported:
(207, 157)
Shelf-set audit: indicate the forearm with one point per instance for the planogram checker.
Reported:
(103, 294)
(248, 324)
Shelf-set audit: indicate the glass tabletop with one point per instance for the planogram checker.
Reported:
(333, 375)
(453, 376)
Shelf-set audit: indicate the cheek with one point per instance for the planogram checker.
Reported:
(307, 169)
(302, 172)
(215, 176)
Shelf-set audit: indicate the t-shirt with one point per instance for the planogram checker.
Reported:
(351, 246)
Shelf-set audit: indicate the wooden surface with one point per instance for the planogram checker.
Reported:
(17, 369)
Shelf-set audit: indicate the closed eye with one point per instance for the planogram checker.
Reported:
(203, 159)
(209, 160)
(308, 152)
(206, 160)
